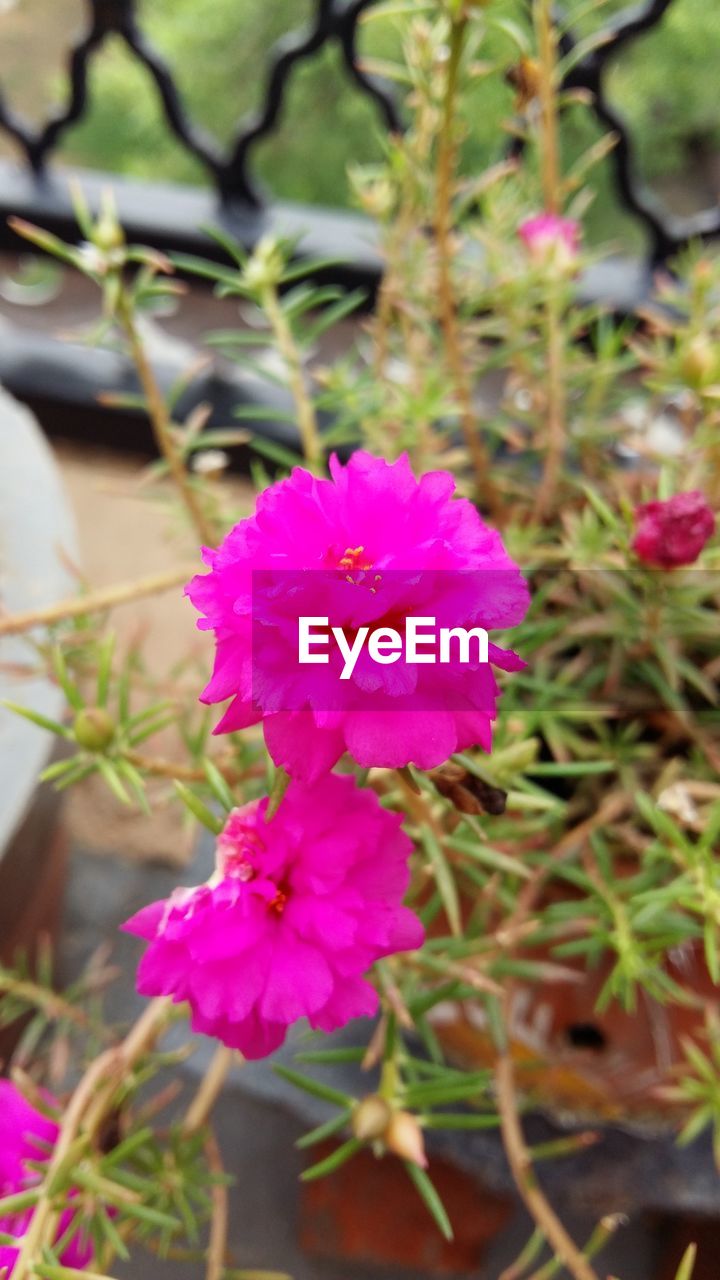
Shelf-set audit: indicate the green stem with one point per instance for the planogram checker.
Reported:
(447, 303)
(556, 404)
(161, 421)
(306, 416)
(548, 134)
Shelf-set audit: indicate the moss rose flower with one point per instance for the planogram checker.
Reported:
(673, 532)
(371, 547)
(299, 909)
(25, 1135)
(550, 238)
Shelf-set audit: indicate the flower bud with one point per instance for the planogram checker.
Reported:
(107, 234)
(699, 363)
(94, 728)
(550, 240)
(404, 1138)
(673, 532)
(265, 267)
(371, 1117)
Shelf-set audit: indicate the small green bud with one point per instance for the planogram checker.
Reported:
(107, 233)
(371, 1117)
(699, 362)
(265, 268)
(94, 728)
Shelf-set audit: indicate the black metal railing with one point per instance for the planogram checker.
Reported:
(171, 217)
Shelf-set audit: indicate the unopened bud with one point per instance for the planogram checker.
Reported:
(371, 1117)
(265, 267)
(404, 1138)
(699, 363)
(94, 728)
(107, 233)
(377, 198)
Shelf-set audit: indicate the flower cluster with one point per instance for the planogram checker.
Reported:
(302, 905)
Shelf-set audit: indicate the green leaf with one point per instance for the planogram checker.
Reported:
(219, 786)
(107, 649)
(323, 1131)
(448, 1120)
(209, 270)
(333, 1161)
(444, 879)
(112, 779)
(198, 809)
(36, 718)
(255, 1275)
(328, 1056)
(571, 768)
(313, 1087)
(232, 247)
(68, 686)
(687, 1266)
(430, 1197)
(275, 452)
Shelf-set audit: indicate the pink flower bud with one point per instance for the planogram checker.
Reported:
(549, 238)
(674, 531)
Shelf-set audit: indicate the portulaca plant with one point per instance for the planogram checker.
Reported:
(461, 661)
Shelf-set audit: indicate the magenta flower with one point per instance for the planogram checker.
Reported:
(673, 532)
(370, 547)
(299, 909)
(26, 1135)
(550, 238)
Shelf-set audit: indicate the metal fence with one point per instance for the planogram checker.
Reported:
(170, 217)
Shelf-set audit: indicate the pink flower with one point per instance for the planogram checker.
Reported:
(299, 909)
(25, 1135)
(550, 238)
(369, 547)
(674, 531)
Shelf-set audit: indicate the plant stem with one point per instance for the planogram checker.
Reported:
(95, 601)
(306, 416)
(521, 1165)
(548, 140)
(217, 1245)
(162, 423)
(86, 1110)
(210, 1087)
(447, 305)
(156, 767)
(556, 405)
(549, 151)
